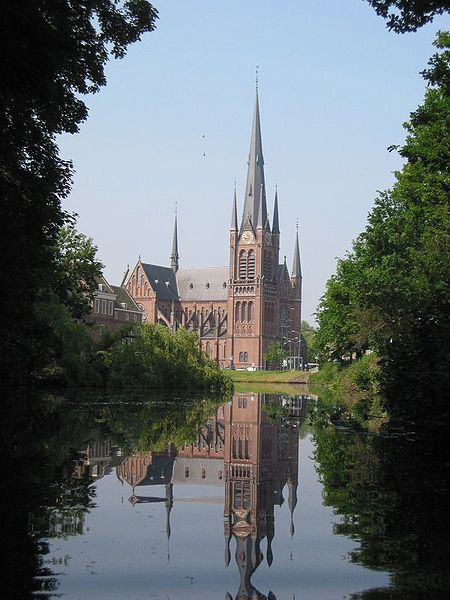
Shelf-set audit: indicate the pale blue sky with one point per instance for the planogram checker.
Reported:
(334, 88)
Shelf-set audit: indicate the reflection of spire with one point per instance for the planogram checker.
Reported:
(251, 492)
(269, 551)
(169, 504)
(292, 502)
(227, 545)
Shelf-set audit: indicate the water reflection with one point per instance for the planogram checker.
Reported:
(251, 445)
(389, 493)
(260, 458)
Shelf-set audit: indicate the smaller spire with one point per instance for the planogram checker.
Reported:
(276, 222)
(174, 257)
(296, 266)
(125, 275)
(234, 211)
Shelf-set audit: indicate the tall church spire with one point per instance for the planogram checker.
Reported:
(255, 176)
(276, 222)
(234, 212)
(296, 266)
(174, 257)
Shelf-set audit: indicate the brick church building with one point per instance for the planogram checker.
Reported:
(240, 310)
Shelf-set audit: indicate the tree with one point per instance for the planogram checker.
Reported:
(391, 292)
(77, 271)
(51, 54)
(408, 15)
(309, 336)
(276, 354)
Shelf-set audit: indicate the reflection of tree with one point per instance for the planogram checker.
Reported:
(391, 491)
(39, 458)
(50, 479)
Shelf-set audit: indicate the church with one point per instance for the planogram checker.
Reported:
(238, 311)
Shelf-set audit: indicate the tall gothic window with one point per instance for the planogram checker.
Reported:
(238, 312)
(243, 265)
(250, 310)
(244, 311)
(251, 265)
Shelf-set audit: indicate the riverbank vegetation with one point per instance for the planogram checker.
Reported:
(144, 356)
(390, 294)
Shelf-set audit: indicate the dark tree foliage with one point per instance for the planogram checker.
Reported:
(391, 293)
(51, 53)
(408, 15)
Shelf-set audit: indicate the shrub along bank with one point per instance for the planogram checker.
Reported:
(353, 385)
(146, 356)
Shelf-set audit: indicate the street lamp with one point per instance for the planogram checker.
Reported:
(300, 357)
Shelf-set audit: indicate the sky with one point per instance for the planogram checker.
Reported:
(173, 125)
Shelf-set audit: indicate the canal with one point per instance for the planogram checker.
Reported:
(258, 497)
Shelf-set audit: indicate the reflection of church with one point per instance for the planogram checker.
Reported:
(254, 455)
(261, 457)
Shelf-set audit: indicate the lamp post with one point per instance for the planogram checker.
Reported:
(300, 357)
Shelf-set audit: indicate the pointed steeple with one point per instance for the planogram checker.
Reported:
(125, 275)
(276, 223)
(234, 212)
(174, 257)
(255, 175)
(296, 266)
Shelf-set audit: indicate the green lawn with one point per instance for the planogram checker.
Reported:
(298, 377)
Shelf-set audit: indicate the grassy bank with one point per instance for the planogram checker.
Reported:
(272, 377)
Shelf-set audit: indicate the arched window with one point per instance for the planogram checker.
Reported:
(224, 349)
(243, 264)
(244, 311)
(245, 356)
(251, 265)
(238, 312)
(250, 311)
(208, 348)
(138, 273)
(241, 357)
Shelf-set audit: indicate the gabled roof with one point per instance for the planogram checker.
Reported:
(203, 284)
(101, 281)
(162, 280)
(123, 297)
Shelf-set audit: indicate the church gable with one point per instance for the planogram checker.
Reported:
(148, 281)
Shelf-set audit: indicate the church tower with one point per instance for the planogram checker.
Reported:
(254, 250)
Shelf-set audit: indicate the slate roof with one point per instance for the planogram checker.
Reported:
(162, 280)
(193, 467)
(123, 297)
(203, 284)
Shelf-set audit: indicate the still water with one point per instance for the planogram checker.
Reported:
(246, 499)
